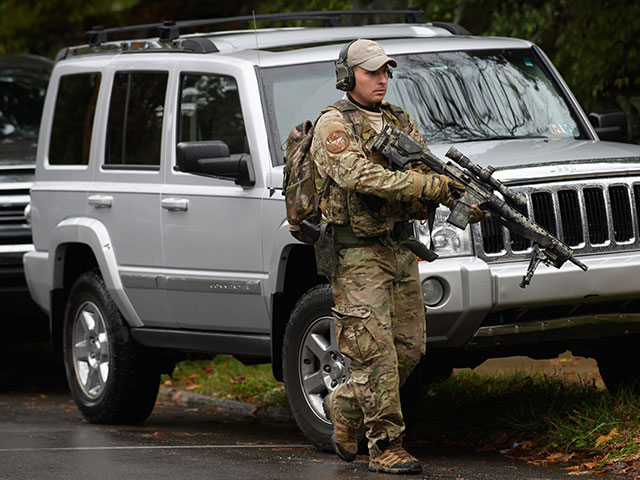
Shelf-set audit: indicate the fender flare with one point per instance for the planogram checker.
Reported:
(92, 233)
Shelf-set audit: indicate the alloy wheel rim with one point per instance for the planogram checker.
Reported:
(322, 368)
(91, 353)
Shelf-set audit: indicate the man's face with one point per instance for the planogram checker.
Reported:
(371, 87)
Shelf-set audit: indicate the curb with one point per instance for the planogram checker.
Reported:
(193, 400)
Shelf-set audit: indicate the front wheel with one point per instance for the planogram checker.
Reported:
(111, 378)
(312, 364)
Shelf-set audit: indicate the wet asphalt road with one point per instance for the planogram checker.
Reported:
(42, 436)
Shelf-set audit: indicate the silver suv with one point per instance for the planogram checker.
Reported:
(159, 223)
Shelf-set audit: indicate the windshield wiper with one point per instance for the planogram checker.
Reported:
(501, 137)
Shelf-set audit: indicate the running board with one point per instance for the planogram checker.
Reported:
(239, 344)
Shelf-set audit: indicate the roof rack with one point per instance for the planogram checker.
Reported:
(170, 30)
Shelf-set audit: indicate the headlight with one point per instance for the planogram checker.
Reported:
(448, 241)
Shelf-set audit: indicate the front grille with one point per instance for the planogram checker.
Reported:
(14, 228)
(589, 216)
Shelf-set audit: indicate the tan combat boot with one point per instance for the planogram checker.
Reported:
(395, 459)
(344, 438)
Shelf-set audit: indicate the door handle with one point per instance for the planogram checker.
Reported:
(175, 204)
(101, 201)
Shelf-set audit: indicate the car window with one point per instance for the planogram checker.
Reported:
(22, 92)
(136, 112)
(73, 119)
(454, 96)
(480, 95)
(210, 110)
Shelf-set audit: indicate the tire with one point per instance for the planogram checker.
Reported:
(112, 379)
(312, 364)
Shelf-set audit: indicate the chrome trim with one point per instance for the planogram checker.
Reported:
(10, 200)
(21, 248)
(191, 284)
(507, 254)
(568, 170)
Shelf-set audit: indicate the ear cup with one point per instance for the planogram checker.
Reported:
(345, 78)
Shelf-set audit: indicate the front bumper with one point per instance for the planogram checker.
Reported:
(12, 278)
(475, 293)
(36, 269)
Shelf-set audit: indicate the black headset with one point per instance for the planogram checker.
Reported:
(345, 78)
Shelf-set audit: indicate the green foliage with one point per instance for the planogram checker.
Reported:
(43, 27)
(226, 377)
(534, 416)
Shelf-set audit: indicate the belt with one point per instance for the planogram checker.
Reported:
(344, 236)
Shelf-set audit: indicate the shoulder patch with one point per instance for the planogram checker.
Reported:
(337, 141)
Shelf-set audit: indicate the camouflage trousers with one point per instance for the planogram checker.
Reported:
(380, 326)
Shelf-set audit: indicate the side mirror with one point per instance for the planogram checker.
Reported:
(610, 125)
(213, 159)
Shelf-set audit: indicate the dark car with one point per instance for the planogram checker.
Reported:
(23, 84)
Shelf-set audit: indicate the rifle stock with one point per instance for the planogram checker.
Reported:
(482, 190)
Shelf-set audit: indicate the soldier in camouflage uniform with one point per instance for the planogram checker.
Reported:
(379, 312)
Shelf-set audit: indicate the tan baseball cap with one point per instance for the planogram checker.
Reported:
(369, 55)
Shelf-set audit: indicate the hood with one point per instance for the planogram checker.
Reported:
(536, 160)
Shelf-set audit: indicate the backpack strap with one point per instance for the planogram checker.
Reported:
(354, 117)
(399, 113)
(350, 112)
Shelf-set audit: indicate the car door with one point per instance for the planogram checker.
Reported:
(125, 193)
(211, 226)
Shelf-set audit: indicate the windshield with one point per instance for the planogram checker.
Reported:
(22, 94)
(454, 96)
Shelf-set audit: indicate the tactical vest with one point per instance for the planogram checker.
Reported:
(368, 217)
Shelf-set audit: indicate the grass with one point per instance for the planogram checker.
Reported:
(541, 418)
(226, 377)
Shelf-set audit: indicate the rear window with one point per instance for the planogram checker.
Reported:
(73, 119)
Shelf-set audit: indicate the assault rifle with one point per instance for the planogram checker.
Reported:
(480, 189)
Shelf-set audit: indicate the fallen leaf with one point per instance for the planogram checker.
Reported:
(602, 439)
(560, 457)
(153, 435)
(193, 387)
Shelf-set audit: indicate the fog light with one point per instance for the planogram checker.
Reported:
(432, 291)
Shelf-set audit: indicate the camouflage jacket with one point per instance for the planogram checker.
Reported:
(342, 150)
